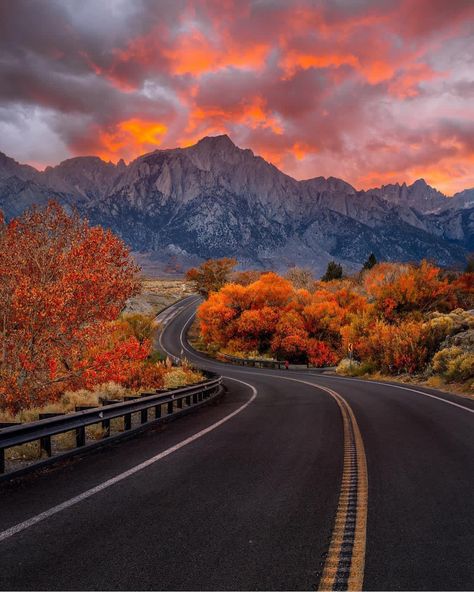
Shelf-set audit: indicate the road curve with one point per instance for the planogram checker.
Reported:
(251, 493)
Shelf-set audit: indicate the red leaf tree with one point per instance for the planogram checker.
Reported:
(61, 284)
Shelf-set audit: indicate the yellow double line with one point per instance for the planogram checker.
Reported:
(344, 565)
(345, 561)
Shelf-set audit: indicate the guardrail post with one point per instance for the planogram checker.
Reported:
(80, 436)
(180, 403)
(157, 411)
(106, 427)
(170, 407)
(45, 445)
(2, 460)
(45, 441)
(105, 423)
(195, 398)
(127, 421)
(144, 415)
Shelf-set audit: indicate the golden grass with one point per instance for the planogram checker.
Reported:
(156, 294)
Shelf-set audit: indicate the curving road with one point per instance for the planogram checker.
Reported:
(294, 481)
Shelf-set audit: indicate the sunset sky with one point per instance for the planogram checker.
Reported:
(372, 91)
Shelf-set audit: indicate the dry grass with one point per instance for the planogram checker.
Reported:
(157, 294)
(437, 382)
(181, 377)
(25, 452)
(69, 401)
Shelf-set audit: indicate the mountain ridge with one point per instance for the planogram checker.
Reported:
(180, 205)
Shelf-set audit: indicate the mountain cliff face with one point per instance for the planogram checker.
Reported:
(175, 207)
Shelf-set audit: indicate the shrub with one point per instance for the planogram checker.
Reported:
(142, 327)
(396, 348)
(454, 363)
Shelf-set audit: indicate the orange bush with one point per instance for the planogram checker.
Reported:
(397, 289)
(379, 317)
(395, 348)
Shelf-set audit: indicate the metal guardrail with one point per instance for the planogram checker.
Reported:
(166, 405)
(254, 362)
(261, 363)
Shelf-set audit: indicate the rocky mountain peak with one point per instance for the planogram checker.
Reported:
(216, 199)
(218, 143)
(9, 167)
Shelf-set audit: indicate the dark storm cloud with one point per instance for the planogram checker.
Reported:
(371, 90)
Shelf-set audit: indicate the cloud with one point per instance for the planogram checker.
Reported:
(369, 90)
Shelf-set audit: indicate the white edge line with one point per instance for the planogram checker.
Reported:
(9, 532)
(405, 388)
(174, 314)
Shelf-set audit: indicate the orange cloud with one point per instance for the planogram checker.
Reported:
(294, 60)
(448, 176)
(131, 138)
(406, 84)
(214, 119)
(194, 54)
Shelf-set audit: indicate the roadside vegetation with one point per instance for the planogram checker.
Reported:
(391, 319)
(65, 335)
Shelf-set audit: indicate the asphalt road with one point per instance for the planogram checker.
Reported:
(255, 503)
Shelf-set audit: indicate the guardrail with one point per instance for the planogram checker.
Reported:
(164, 406)
(262, 363)
(254, 362)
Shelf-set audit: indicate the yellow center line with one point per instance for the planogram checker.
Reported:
(345, 562)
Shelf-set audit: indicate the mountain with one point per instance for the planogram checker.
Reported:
(175, 207)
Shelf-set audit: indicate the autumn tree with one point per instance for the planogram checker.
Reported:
(211, 275)
(463, 290)
(333, 272)
(246, 277)
(383, 317)
(399, 289)
(396, 348)
(62, 283)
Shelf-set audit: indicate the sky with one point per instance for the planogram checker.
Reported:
(371, 91)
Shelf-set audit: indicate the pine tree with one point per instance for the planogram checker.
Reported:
(371, 261)
(333, 272)
(470, 264)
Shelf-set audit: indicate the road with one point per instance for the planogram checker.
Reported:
(294, 481)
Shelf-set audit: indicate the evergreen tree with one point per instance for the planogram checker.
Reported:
(371, 261)
(470, 264)
(333, 272)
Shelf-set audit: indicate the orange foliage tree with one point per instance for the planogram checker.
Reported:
(211, 275)
(397, 289)
(380, 316)
(62, 282)
(267, 316)
(396, 348)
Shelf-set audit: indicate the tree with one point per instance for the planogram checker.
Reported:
(302, 279)
(396, 348)
(62, 282)
(470, 264)
(371, 261)
(333, 272)
(399, 289)
(244, 278)
(211, 275)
